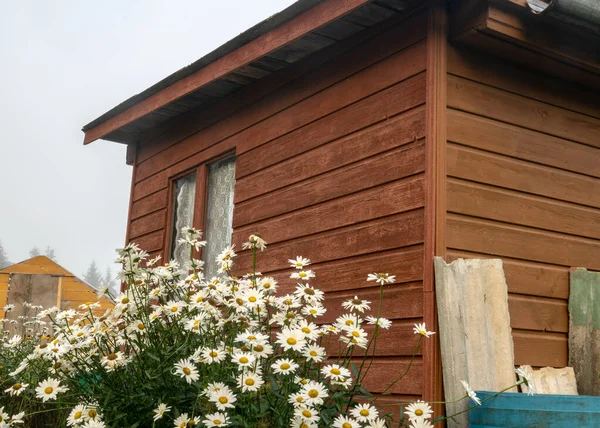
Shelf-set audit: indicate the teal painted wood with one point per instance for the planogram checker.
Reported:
(516, 410)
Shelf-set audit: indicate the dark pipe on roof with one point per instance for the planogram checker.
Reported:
(585, 13)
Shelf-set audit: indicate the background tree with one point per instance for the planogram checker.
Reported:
(3, 258)
(50, 253)
(111, 282)
(34, 252)
(93, 276)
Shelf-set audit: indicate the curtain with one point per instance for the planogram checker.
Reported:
(183, 215)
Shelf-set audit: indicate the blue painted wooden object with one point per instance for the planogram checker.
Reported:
(511, 409)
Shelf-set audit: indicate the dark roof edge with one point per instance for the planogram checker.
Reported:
(583, 13)
(247, 36)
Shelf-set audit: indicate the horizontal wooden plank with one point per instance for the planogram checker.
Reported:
(367, 142)
(150, 203)
(388, 72)
(496, 72)
(402, 162)
(400, 301)
(471, 234)
(148, 223)
(493, 136)
(151, 185)
(381, 201)
(351, 273)
(392, 232)
(153, 241)
(490, 168)
(384, 372)
(540, 349)
(270, 41)
(511, 108)
(292, 151)
(37, 265)
(484, 201)
(370, 110)
(291, 85)
(538, 313)
(525, 277)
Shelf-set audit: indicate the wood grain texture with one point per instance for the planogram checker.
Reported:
(508, 206)
(540, 349)
(502, 171)
(493, 71)
(380, 169)
(527, 277)
(538, 313)
(381, 201)
(511, 108)
(149, 204)
(153, 241)
(148, 223)
(262, 45)
(506, 139)
(379, 235)
(370, 141)
(467, 233)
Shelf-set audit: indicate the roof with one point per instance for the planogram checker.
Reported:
(303, 28)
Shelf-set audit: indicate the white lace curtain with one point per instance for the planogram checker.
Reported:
(183, 215)
(219, 211)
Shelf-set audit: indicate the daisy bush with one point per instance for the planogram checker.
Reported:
(182, 350)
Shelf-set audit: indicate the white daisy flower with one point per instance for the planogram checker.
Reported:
(216, 420)
(77, 415)
(364, 412)
(243, 359)
(314, 392)
(335, 372)
(210, 356)
(418, 409)
(314, 353)
(284, 366)
(48, 389)
(345, 422)
(160, 410)
(250, 382)
(16, 389)
(308, 414)
(381, 322)
(356, 304)
(291, 339)
(470, 393)
(381, 278)
(377, 423)
(303, 275)
(299, 262)
(422, 330)
(223, 399)
(420, 423)
(186, 369)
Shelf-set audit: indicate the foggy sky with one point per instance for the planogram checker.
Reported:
(64, 63)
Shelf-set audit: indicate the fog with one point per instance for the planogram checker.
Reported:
(64, 63)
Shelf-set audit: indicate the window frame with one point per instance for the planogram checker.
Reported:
(200, 201)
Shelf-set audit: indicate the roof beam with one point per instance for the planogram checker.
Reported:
(297, 27)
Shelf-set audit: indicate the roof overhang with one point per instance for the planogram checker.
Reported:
(305, 27)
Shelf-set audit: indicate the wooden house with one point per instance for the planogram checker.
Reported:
(42, 281)
(373, 135)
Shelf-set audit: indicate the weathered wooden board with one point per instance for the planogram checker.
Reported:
(474, 329)
(584, 329)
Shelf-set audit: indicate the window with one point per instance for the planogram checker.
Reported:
(203, 199)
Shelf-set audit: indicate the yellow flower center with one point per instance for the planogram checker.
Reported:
(223, 400)
(112, 356)
(217, 421)
(259, 348)
(186, 371)
(77, 415)
(364, 412)
(313, 311)
(355, 333)
(125, 300)
(335, 371)
(243, 360)
(309, 291)
(252, 299)
(251, 337)
(199, 299)
(313, 393)
(349, 322)
(303, 425)
(284, 366)
(17, 386)
(141, 326)
(249, 382)
(49, 390)
(313, 353)
(302, 274)
(305, 330)
(239, 301)
(174, 309)
(346, 425)
(291, 341)
(306, 413)
(419, 412)
(299, 399)
(214, 354)
(92, 413)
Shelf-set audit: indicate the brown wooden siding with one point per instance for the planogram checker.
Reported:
(523, 164)
(330, 166)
